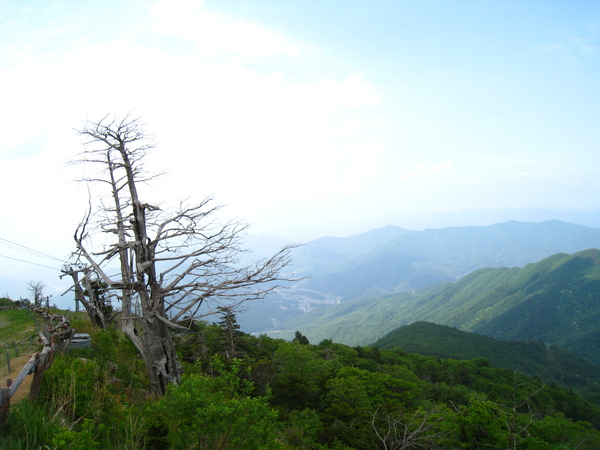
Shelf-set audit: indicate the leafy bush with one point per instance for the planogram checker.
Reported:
(77, 440)
(303, 428)
(216, 412)
(287, 395)
(6, 302)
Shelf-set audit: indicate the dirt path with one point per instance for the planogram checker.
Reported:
(16, 364)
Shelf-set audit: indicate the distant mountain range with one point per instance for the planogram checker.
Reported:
(517, 295)
(427, 220)
(556, 300)
(392, 260)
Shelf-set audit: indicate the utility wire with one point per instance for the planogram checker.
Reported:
(30, 250)
(28, 262)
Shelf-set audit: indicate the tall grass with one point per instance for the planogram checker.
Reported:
(89, 399)
(30, 425)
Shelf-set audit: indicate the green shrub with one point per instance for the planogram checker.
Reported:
(217, 413)
(77, 387)
(83, 439)
(302, 429)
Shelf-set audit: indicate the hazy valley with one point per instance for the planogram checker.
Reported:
(360, 287)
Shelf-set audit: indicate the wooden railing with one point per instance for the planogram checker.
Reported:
(55, 338)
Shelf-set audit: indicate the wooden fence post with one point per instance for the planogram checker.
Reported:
(43, 362)
(4, 405)
(26, 370)
(8, 362)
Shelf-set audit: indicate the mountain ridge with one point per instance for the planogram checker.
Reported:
(393, 260)
(422, 257)
(556, 300)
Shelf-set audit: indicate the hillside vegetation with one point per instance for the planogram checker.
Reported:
(533, 358)
(275, 394)
(392, 260)
(477, 362)
(556, 300)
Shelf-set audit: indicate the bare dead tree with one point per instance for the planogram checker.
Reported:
(92, 293)
(169, 264)
(36, 288)
(418, 430)
(521, 414)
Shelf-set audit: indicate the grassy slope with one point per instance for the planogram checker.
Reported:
(17, 326)
(18, 339)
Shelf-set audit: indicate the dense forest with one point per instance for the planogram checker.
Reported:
(533, 358)
(250, 392)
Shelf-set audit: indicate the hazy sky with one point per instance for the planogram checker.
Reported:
(301, 112)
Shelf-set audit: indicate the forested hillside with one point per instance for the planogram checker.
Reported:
(556, 300)
(392, 260)
(245, 392)
(533, 358)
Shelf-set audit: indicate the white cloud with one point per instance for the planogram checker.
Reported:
(254, 140)
(423, 169)
(215, 34)
(277, 140)
(572, 49)
(365, 161)
(518, 175)
(353, 127)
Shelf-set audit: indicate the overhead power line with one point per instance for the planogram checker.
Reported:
(27, 250)
(28, 262)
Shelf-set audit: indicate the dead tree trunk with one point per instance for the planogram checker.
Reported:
(94, 313)
(160, 357)
(198, 257)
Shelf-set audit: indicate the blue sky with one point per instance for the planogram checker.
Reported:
(303, 114)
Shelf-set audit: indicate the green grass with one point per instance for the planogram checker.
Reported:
(29, 425)
(18, 327)
(14, 321)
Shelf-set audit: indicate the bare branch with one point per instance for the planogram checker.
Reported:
(173, 263)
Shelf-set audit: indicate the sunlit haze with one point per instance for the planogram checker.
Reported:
(303, 117)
